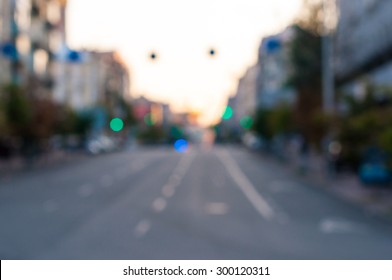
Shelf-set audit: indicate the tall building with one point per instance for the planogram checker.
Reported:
(92, 79)
(8, 37)
(363, 44)
(149, 112)
(274, 70)
(34, 53)
(30, 36)
(246, 94)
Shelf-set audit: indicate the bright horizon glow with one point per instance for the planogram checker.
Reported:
(181, 33)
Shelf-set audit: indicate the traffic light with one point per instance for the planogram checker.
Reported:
(153, 56)
(116, 124)
(228, 113)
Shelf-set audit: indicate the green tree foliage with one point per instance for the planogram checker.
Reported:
(17, 110)
(305, 57)
(260, 125)
(270, 122)
(31, 122)
(127, 109)
(367, 123)
(72, 122)
(152, 135)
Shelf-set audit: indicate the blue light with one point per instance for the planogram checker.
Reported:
(273, 45)
(9, 51)
(181, 146)
(74, 56)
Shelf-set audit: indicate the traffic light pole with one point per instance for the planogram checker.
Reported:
(13, 37)
(328, 84)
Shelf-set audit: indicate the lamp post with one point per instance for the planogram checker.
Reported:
(328, 84)
(13, 36)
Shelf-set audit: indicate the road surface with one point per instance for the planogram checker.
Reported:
(154, 203)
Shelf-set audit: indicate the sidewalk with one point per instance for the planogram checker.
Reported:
(375, 200)
(16, 164)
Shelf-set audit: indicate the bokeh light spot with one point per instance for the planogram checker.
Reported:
(116, 124)
(246, 122)
(181, 145)
(148, 119)
(228, 114)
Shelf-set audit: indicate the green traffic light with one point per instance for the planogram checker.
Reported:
(148, 119)
(116, 124)
(228, 114)
(246, 122)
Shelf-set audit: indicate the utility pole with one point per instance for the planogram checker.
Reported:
(328, 80)
(13, 36)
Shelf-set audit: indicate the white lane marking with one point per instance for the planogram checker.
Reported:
(336, 225)
(181, 170)
(85, 190)
(50, 206)
(217, 208)
(182, 167)
(107, 181)
(159, 204)
(168, 190)
(175, 179)
(258, 202)
(142, 228)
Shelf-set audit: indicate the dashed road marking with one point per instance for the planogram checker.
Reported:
(159, 204)
(174, 179)
(142, 228)
(217, 208)
(168, 190)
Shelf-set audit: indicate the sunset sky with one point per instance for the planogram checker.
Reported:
(181, 32)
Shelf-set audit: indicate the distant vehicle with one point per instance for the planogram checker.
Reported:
(101, 144)
(374, 168)
(251, 141)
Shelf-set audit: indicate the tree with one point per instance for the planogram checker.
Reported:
(305, 56)
(367, 119)
(260, 125)
(271, 122)
(17, 110)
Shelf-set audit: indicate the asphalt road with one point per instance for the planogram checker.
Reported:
(223, 203)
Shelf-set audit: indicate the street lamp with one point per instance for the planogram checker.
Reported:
(329, 24)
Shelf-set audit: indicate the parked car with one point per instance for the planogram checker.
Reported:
(101, 144)
(252, 141)
(374, 167)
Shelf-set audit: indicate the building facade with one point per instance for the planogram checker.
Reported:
(363, 44)
(245, 104)
(274, 70)
(94, 78)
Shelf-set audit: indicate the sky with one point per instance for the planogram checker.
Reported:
(181, 33)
